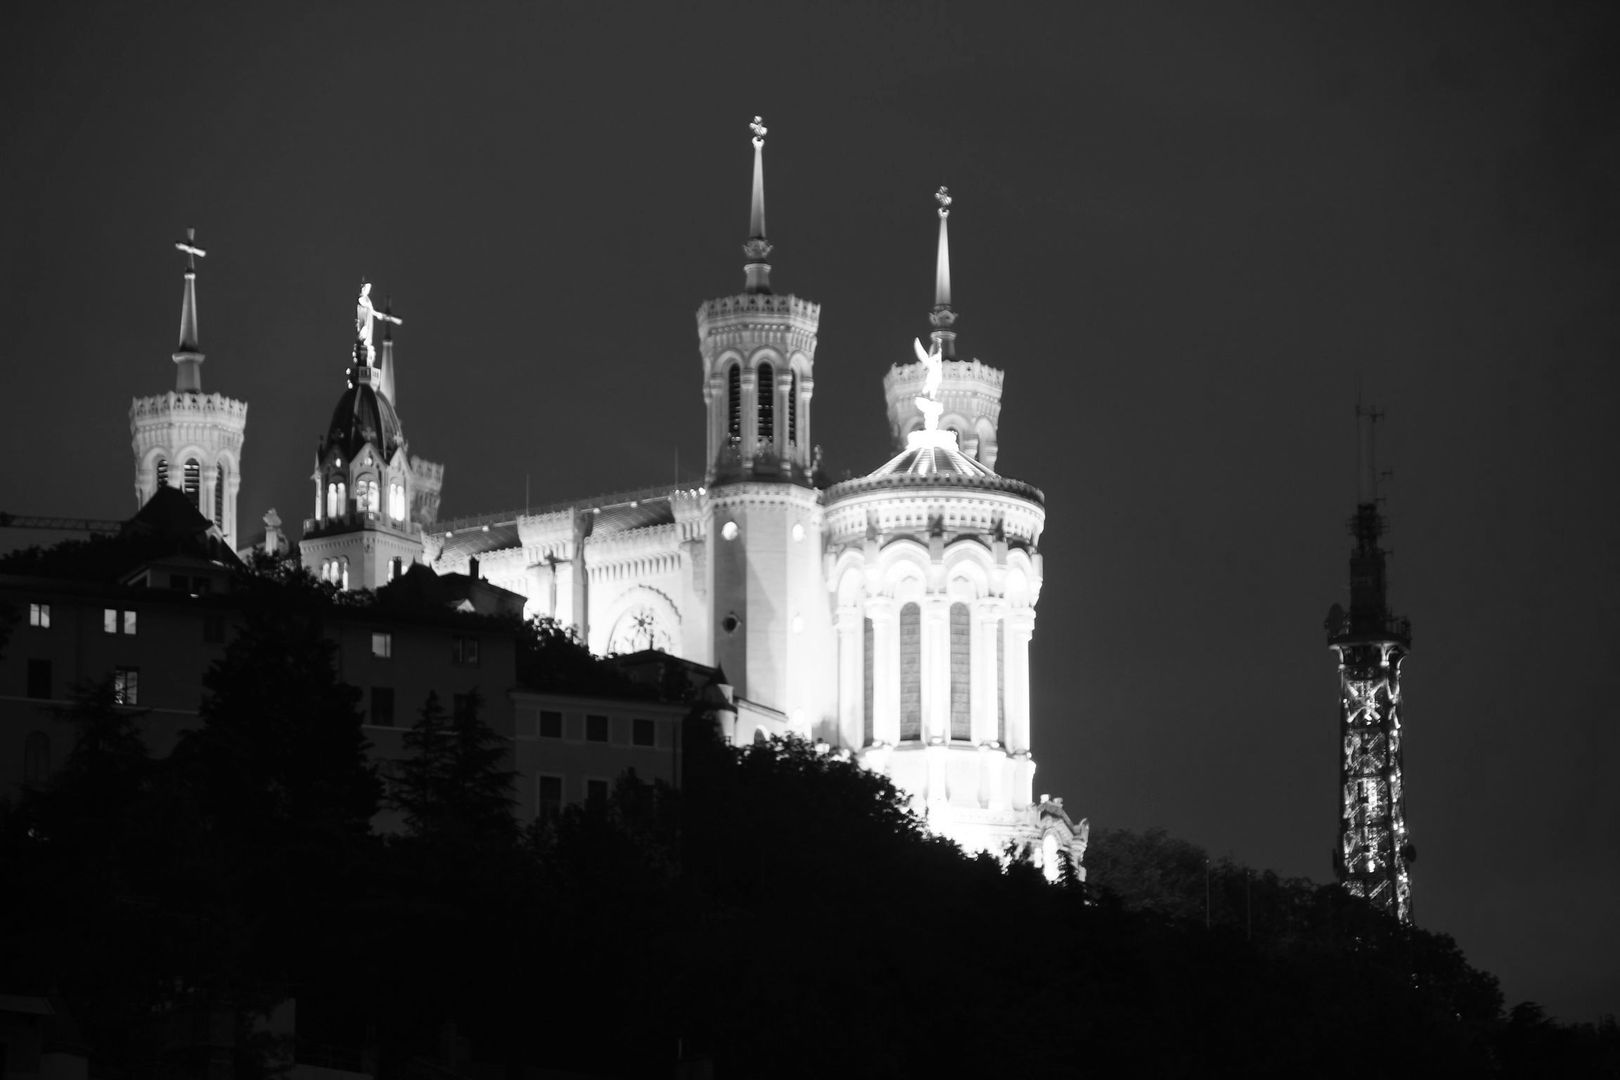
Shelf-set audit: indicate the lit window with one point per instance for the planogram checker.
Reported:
(129, 622)
(127, 686)
(642, 732)
(382, 644)
(729, 530)
(464, 651)
(396, 500)
(343, 574)
(550, 725)
(162, 472)
(331, 500)
(39, 615)
(113, 619)
(365, 495)
(192, 485)
(596, 729)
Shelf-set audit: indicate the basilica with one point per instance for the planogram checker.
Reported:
(886, 617)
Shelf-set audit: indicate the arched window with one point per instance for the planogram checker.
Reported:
(910, 673)
(765, 392)
(331, 500)
(396, 500)
(793, 410)
(343, 581)
(193, 481)
(36, 758)
(219, 496)
(366, 496)
(866, 682)
(162, 472)
(734, 405)
(961, 673)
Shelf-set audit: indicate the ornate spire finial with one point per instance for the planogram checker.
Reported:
(188, 357)
(757, 248)
(942, 316)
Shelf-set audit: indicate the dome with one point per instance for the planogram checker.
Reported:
(932, 454)
(364, 416)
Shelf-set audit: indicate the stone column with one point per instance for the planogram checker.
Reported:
(750, 418)
(1020, 628)
(851, 676)
(885, 669)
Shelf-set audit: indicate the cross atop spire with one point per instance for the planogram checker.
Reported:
(188, 357)
(757, 248)
(942, 316)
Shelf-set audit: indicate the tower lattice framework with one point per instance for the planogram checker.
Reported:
(1374, 851)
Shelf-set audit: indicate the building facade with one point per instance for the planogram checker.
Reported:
(887, 617)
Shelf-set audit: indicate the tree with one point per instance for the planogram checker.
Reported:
(453, 787)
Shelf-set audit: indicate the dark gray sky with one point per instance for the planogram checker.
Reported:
(1187, 232)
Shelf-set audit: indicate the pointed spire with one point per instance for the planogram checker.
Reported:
(942, 316)
(757, 247)
(188, 357)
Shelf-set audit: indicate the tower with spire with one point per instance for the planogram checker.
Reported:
(1373, 853)
(372, 498)
(935, 569)
(969, 390)
(185, 438)
(763, 512)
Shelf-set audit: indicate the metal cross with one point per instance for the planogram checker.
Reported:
(189, 246)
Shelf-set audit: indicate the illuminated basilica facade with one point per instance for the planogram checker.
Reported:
(887, 617)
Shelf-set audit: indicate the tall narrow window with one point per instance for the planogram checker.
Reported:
(162, 472)
(396, 500)
(793, 410)
(910, 673)
(331, 500)
(127, 686)
(866, 682)
(193, 481)
(734, 405)
(219, 496)
(765, 392)
(961, 673)
(1001, 682)
(365, 495)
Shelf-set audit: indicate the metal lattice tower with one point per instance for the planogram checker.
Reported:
(1374, 852)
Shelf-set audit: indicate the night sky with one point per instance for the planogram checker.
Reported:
(1188, 233)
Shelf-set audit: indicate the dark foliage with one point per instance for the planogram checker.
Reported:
(781, 913)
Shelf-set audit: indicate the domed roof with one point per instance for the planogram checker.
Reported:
(364, 416)
(931, 453)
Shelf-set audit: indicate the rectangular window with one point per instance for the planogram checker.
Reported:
(596, 729)
(382, 706)
(550, 797)
(127, 686)
(596, 791)
(464, 651)
(39, 679)
(213, 629)
(39, 615)
(109, 620)
(129, 622)
(642, 732)
(550, 725)
(382, 644)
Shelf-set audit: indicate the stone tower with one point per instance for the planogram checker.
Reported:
(935, 571)
(185, 438)
(1373, 853)
(763, 512)
(372, 498)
